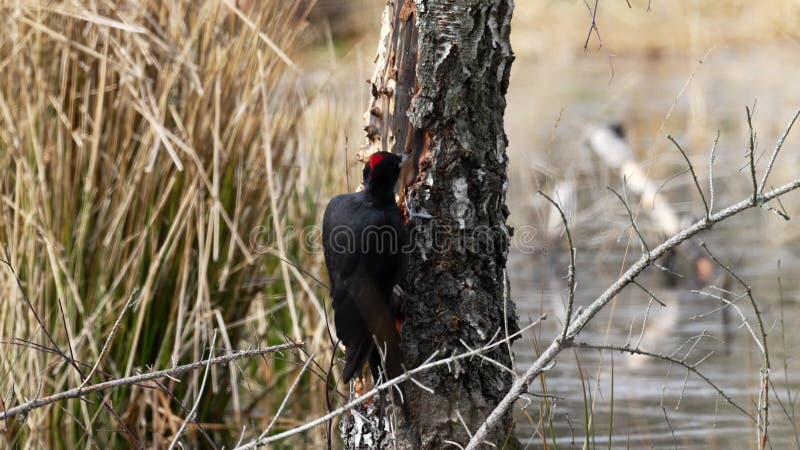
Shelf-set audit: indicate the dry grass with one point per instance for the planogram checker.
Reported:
(142, 143)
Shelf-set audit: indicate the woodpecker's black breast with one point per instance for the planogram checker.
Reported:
(363, 242)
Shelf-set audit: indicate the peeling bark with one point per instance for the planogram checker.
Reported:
(438, 95)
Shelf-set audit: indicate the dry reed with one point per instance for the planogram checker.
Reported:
(164, 149)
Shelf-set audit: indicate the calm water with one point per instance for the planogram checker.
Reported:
(655, 405)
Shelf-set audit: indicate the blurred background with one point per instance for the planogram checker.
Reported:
(177, 152)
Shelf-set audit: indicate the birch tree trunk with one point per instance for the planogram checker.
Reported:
(438, 95)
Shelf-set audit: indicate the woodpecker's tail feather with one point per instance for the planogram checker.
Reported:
(355, 357)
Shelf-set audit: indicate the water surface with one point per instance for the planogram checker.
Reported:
(655, 405)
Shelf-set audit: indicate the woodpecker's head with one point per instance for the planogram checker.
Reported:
(381, 172)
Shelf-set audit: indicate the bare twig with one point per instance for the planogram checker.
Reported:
(193, 412)
(183, 407)
(645, 247)
(694, 175)
(777, 150)
(727, 302)
(491, 361)
(286, 398)
(650, 293)
(711, 157)
(753, 303)
(671, 428)
(328, 403)
(672, 360)
(110, 338)
(571, 273)
(593, 26)
(644, 323)
(751, 150)
(765, 373)
(139, 378)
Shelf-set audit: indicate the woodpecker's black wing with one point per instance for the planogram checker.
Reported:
(362, 245)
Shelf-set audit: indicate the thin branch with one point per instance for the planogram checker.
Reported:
(66, 331)
(767, 365)
(180, 404)
(593, 26)
(645, 247)
(491, 361)
(680, 362)
(712, 156)
(727, 302)
(26, 407)
(571, 273)
(106, 345)
(328, 377)
(286, 398)
(777, 150)
(650, 293)
(694, 175)
(671, 428)
(780, 213)
(193, 412)
(749, 292)
(644, 323)
(669, 180)
(751, 151)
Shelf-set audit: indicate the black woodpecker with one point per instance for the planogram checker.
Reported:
(364, 240)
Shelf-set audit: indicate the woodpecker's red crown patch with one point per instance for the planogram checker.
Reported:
(374, 160)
